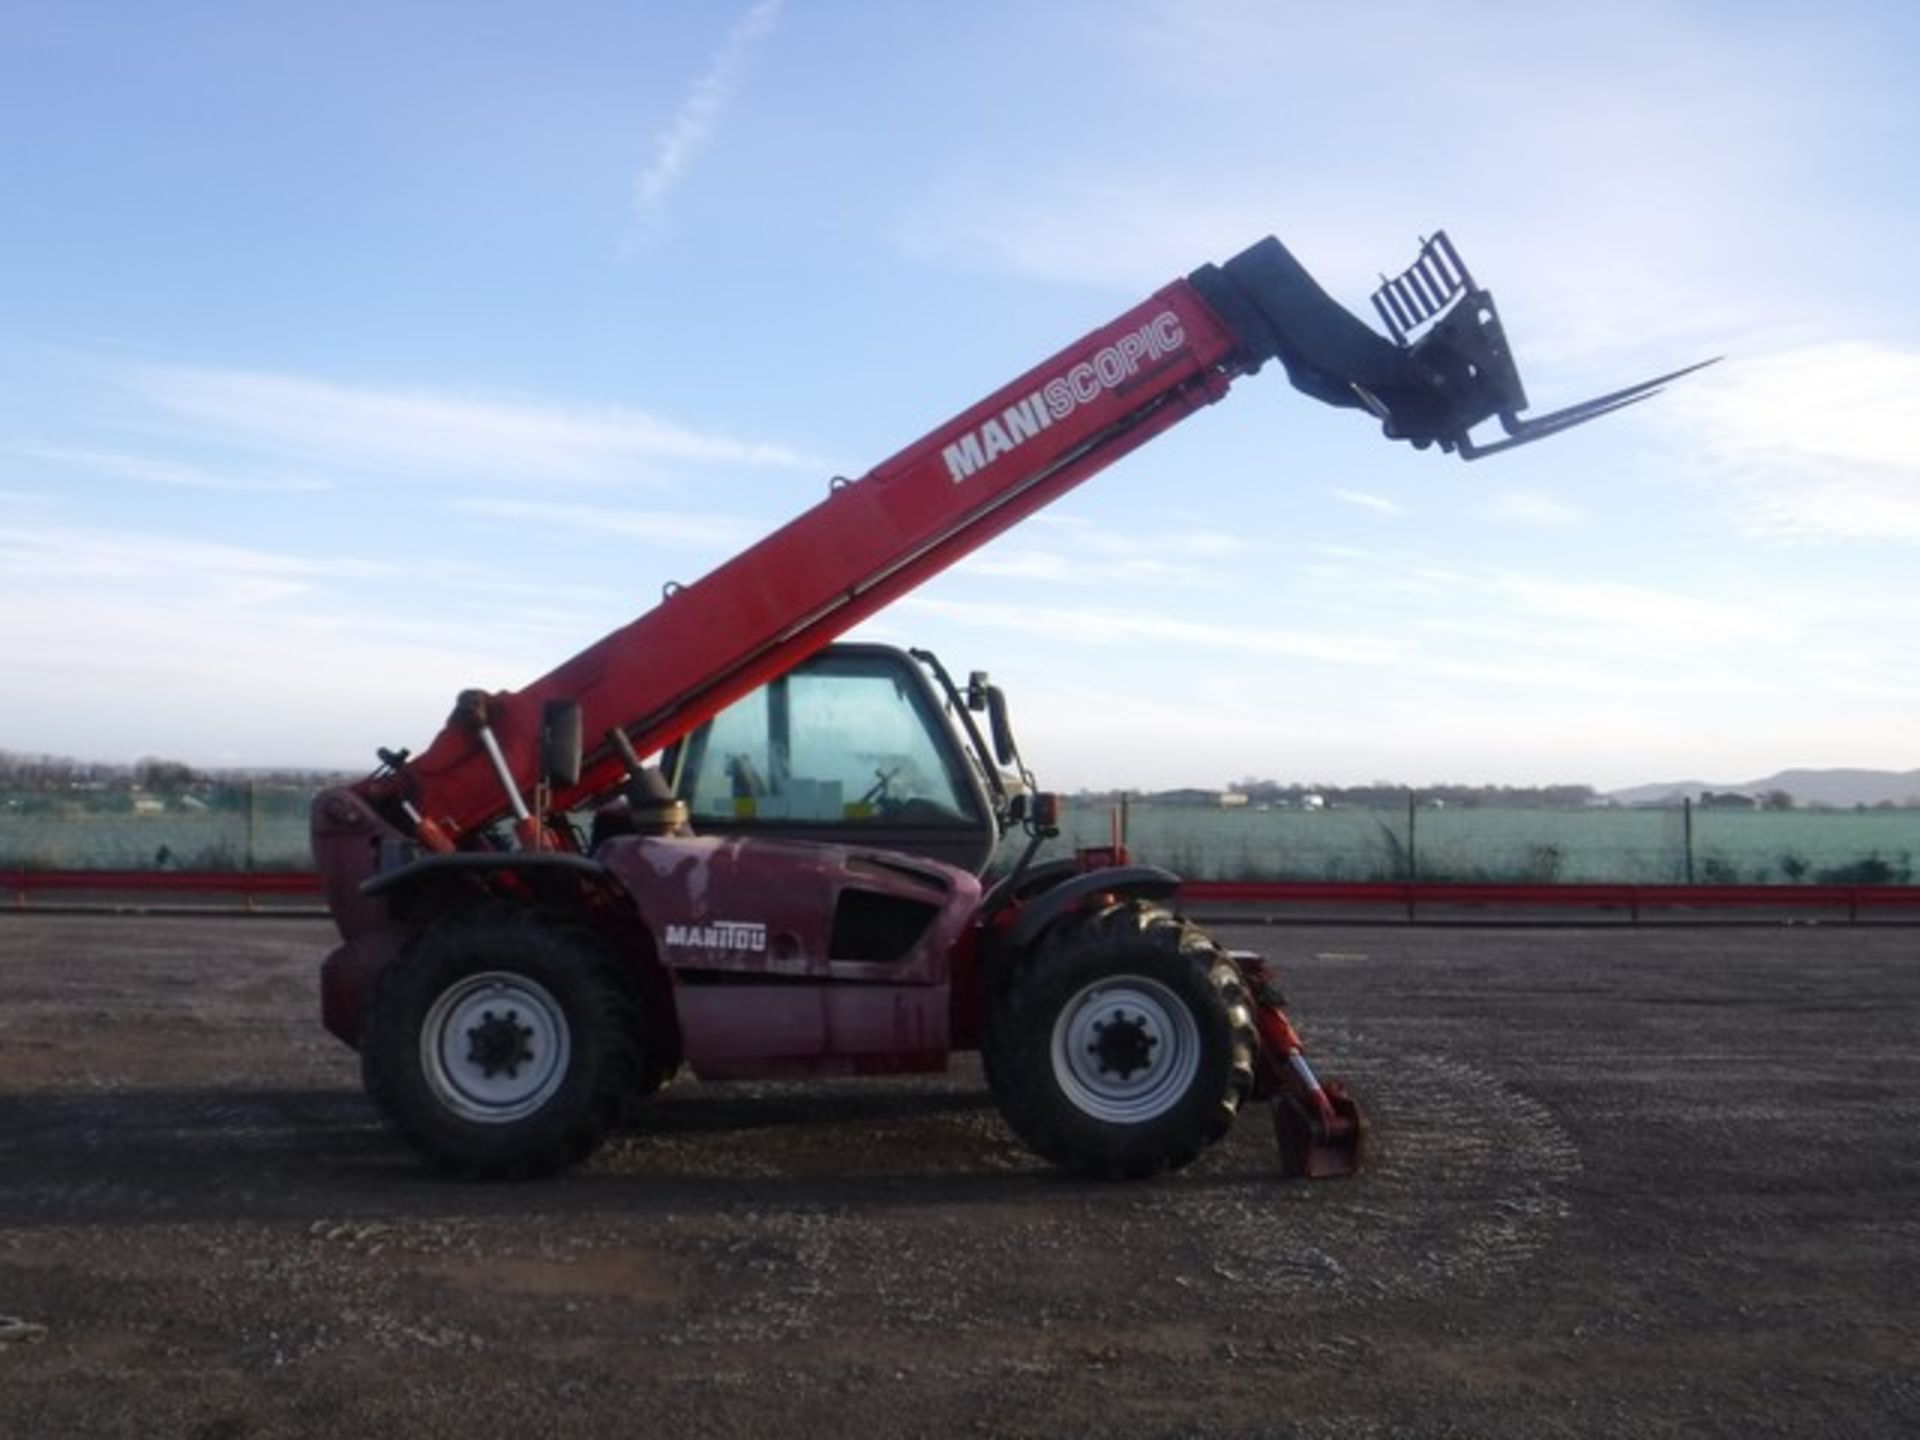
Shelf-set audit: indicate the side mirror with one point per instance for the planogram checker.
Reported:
(560, 742)
(1041, 810)
(1004, 750)
(977, 691)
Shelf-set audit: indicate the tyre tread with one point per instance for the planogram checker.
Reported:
(1016, 1058)
(604, 1013)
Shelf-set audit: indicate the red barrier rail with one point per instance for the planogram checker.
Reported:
(19, 887)
(1411, 896)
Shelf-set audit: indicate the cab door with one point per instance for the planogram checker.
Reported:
(850, 748)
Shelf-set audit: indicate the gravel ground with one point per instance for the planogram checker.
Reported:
(1625, 1181)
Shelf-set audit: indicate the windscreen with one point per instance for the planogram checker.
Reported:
(847, 738)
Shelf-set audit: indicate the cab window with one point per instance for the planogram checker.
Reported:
(846, 739)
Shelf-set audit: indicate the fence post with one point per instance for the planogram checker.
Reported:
(1413, 864)
(1686, 834)
(252, 827)
(1413, 854)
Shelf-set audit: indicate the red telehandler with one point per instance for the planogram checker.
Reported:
(714, 838)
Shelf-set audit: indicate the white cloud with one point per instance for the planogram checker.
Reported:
(1634, 220)
(658, 527)
(113, 679)
(1536, 632)
(1082, 552)
(1816, 442)
(1180, 532)
(1055, 224)
(1343, 570)
(693, 125)
(428, 433)
(161, 472)
(1460, 589)
(1379, 504)
(1065, 568)
(119, 644)
(1533, 507)
(1107, 626)
(1852, 401)
(109, 556)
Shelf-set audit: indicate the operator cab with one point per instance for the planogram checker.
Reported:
(850, 747)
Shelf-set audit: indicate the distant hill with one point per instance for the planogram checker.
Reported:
(1842, 789)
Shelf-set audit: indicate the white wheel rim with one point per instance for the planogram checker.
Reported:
(1125, 1050)
(495, 1047)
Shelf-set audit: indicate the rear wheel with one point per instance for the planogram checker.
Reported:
(501, 1045)
(1123, 1046)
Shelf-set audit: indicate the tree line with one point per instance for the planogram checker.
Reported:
(1376, 795)
(153, 774)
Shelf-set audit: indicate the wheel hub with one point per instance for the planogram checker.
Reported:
(500, 1043)
(495, 1047)
(1123, 1044)
(1126, 1050)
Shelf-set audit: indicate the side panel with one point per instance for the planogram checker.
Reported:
(347, 978)
(790, 959)
(347, 837)
(770, 1032)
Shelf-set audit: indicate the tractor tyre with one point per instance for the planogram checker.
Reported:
(1123, 1045)
(502, 1045)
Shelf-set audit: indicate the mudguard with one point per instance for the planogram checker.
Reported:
(1144, 882)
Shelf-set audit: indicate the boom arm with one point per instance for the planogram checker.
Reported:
(874, 539)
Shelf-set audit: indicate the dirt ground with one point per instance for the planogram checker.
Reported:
(1625, 1181)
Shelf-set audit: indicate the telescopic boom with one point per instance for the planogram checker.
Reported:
(1445, 370)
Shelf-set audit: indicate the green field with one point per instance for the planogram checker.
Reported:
(267, 830)
(1540, 846)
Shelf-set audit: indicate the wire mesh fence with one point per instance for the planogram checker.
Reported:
(1670, 845)
(240, 828)
(262, 829)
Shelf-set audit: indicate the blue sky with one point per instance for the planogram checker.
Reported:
(353, 354)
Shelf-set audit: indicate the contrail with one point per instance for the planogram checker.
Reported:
(694, 123)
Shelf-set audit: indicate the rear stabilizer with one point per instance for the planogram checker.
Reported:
(1318, 1126)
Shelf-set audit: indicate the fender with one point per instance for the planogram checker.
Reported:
(420, 892)
(414, 872)
(1145, 882)
(413, 895)
(1011, 889)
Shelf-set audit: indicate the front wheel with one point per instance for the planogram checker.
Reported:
(1123, 1046)
(501, 1045)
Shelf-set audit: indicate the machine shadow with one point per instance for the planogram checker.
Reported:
(299, 1156)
